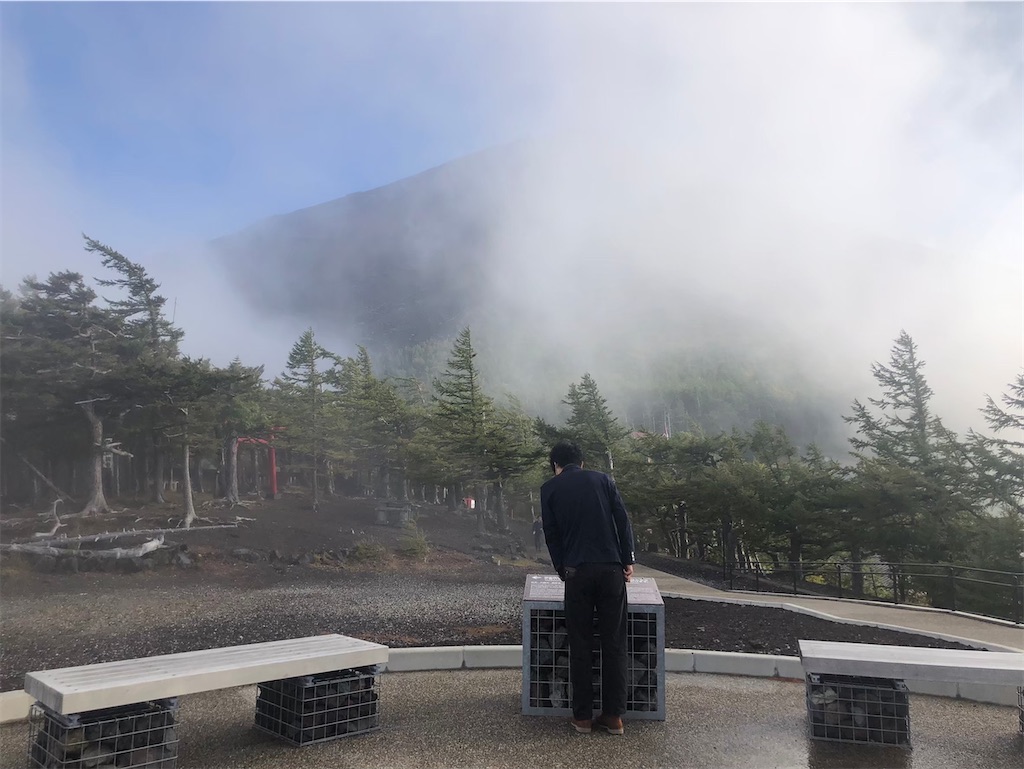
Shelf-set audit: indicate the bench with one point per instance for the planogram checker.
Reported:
(857, 692)
(310, 690)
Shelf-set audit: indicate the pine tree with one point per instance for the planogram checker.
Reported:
(140, 311)
(147, 335)
(378, 421)
(462, 416)
(592, 424)
(64, 352)
(909, 463)
(998, 460)
(311, 420)
(239, 412)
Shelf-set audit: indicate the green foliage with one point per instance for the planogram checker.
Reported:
(140, 312)
(368, 551)
(592, 425)
(733, 485)
(462, 413)
(413, 543)
(307, 408)
(997, 460)
(912, 477)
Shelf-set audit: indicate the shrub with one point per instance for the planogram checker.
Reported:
(413, 543)
(368, 550)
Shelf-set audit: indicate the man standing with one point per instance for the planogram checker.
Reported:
(590, 541)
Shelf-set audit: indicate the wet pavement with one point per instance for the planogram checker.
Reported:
(471, 718)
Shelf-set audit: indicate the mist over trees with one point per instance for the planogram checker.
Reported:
(100, 409)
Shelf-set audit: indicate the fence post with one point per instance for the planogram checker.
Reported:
(792, 568)
(839, 580)
(895, 583)
(952, 587)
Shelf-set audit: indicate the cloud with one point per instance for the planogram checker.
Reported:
(780, 163)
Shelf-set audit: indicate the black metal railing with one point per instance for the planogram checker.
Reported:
(987, 592)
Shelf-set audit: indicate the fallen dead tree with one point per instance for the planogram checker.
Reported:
(66, 541)
(115, 552)
(57, 522)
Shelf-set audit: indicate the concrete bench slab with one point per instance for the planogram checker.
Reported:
(913, 663)
(125, 682)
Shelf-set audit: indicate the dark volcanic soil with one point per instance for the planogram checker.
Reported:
(466, 590)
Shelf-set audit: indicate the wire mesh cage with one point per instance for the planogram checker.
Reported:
(546, 686)
(139, 736)
(1020, 707)
(327, 706)
(858, 709)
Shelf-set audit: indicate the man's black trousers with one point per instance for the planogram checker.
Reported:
(599, 587)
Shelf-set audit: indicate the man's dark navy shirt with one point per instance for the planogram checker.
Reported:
(584, 519)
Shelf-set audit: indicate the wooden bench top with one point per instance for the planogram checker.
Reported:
(109, 684)
(913, 663)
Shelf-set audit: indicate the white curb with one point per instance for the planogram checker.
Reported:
(933, 688)
(493, 656)
(994, 695)
(418, 658)
(734, 663)
(678, 661)
(14, 706)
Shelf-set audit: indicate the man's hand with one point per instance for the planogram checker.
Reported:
(628, 573)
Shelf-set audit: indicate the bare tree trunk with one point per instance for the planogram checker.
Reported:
(231, 469)
(97, 501)
(159, 461)
(316, 486)
(330, 479)
(199, 476)
(857, 579)
(499, 505)
(481, 511)
(796, 545)
(186, 486)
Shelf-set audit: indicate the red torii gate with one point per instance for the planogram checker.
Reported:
(271, 460)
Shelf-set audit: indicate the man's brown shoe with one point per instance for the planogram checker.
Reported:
(611, 724)
(581, 725)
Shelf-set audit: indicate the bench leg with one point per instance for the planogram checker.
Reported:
(327, 706)
(140, 735)
(859, 709)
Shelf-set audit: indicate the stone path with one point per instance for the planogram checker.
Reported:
(935, 622)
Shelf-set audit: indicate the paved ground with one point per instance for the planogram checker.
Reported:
(466, 719)
(471, 719)
(928, 622)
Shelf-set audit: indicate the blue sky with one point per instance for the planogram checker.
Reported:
(220, 114)
(157, 126)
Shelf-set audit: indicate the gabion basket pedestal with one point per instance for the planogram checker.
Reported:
(141, 736)
(1020, 707)
(323, 707)
(546, 687)
(858, 709)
